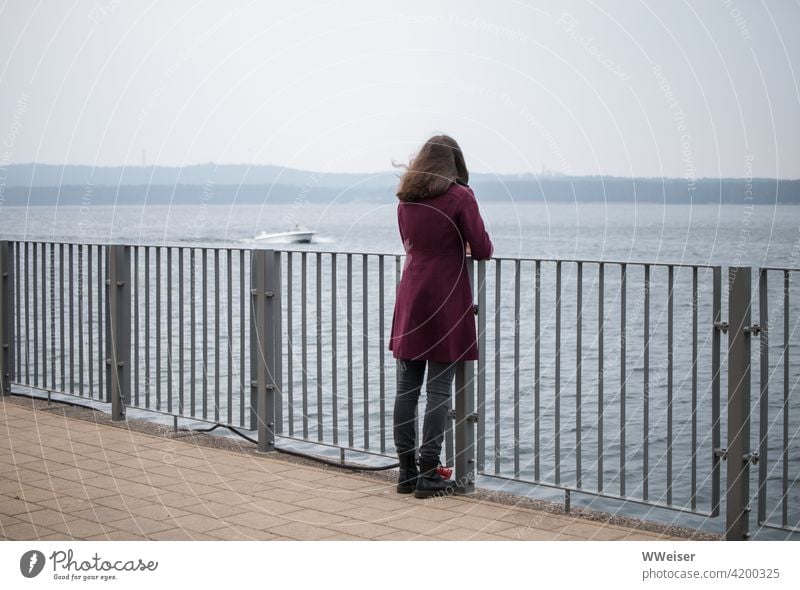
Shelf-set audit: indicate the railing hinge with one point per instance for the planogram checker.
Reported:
(754, 329)
(721, 452)
(472, 418)
(721, 326)
(751, 457)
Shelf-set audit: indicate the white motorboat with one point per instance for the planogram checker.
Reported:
(299, 235)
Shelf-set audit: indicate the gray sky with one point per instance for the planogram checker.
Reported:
(684, 89)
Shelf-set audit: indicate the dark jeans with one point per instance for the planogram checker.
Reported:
(410, 375)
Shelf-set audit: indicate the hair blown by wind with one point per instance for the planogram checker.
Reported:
(438, 164)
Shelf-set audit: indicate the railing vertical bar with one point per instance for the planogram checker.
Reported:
(381, 358)
(192, 332)
(35, 306)
(365, 343)
(26, 247)
(158, 328)
(53, 316)
(739, 361)
(716, 427)
(204, 292)
(216, 336)
(578, 367)
(44, 314)
(71, 254)
(557, 432)
(693, 499)
(763, 394)
(147, 381)
(9, 284)
(290, 340)
(537, 410)
(217, 326)
(18, 290)
(229, 299)
(101, 307)
(350, 429)
(516, 364)
(320, 412)
(497, 410)
(670, 356)
(646, 389)
(304, 336)
(785, 408)
(334, 360)
(169, 329)
(242, 324)
(622, 375)
(80, 317)
(61, 318)
(481, 458)
(181, 330)
(136, 325)
(601, 327)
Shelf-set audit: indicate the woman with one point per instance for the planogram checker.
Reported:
(433, 326)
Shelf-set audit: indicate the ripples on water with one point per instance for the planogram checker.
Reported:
(706, 234)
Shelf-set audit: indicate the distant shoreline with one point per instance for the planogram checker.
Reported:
(40, 184)
(562, 191)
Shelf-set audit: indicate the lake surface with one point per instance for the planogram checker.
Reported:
(578, 438)
(702, 234)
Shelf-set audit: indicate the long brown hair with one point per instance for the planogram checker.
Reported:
(437, 165)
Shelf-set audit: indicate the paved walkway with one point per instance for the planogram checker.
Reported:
(64, 478)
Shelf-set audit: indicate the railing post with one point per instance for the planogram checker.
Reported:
(6, 317)
(465, 420)
(738, 452)
(118, 329)
(265, 345)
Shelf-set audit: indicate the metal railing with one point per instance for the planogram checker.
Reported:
(594, 377)
(774, 419)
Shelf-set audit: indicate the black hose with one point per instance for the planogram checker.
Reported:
(297, 453)
(241, 434)
(58, 401)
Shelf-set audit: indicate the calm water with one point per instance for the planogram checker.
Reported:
(706, 234)
(724, 234)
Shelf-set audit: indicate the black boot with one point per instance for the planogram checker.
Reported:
(407, 481)
(430, 483)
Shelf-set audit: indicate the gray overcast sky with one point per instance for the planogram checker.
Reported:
(684, 89)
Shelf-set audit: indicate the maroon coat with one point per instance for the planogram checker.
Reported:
(433, 314)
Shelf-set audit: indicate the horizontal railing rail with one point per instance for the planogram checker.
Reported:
(596, 377)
